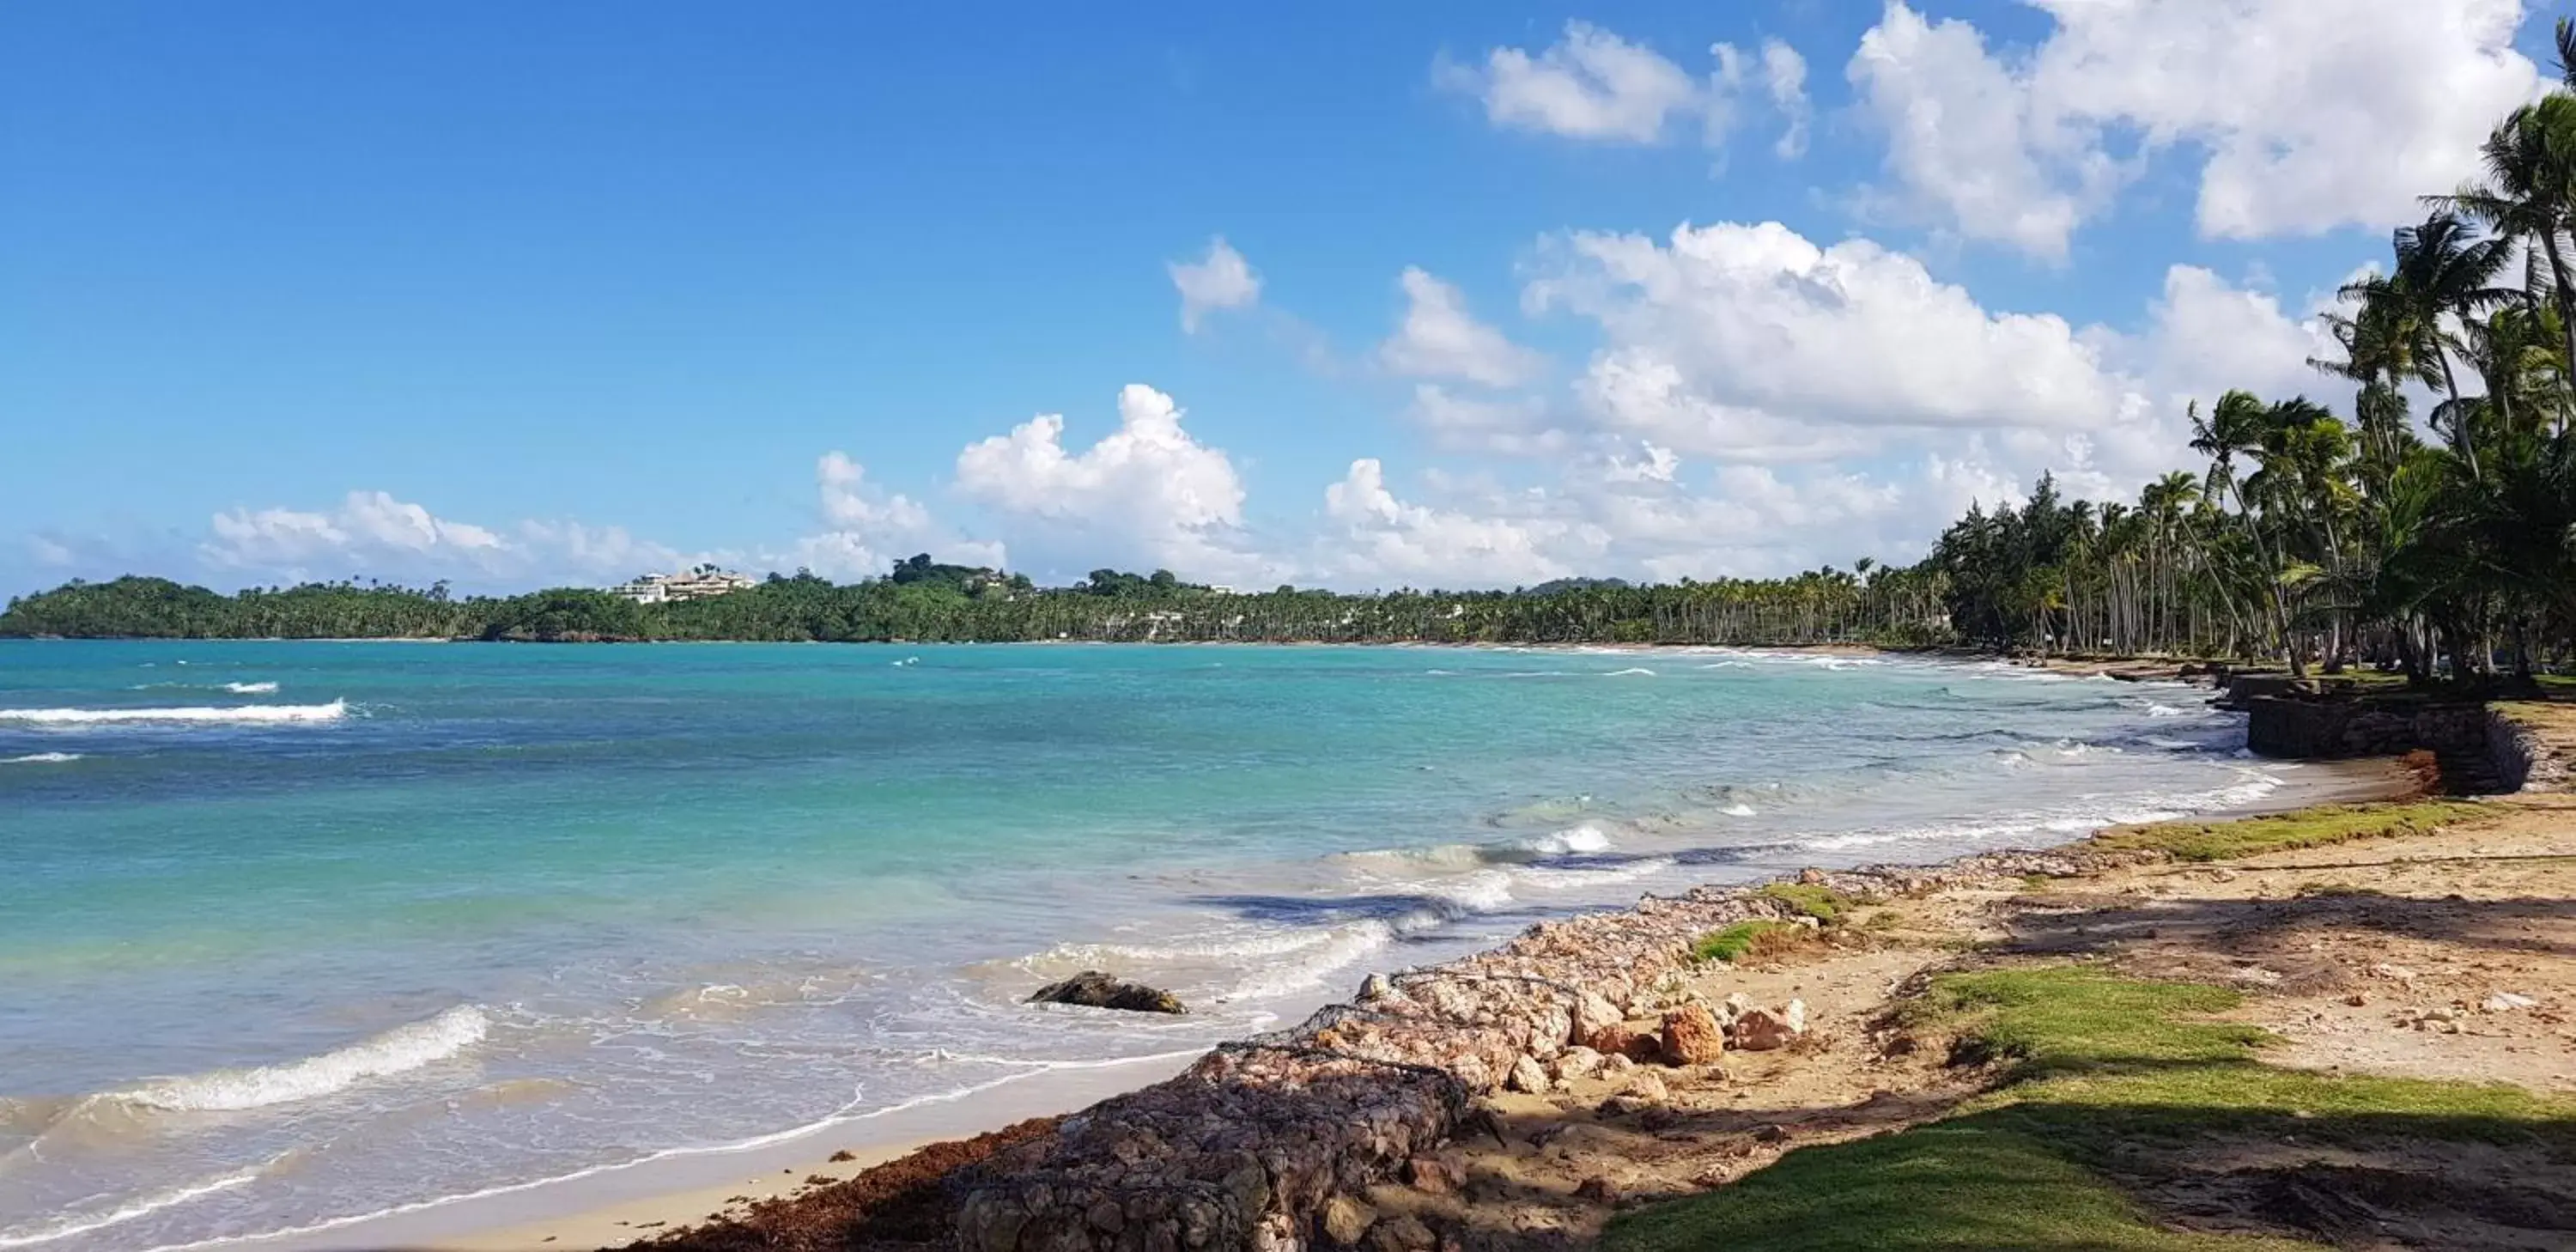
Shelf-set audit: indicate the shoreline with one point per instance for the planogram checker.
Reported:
(675, 1191)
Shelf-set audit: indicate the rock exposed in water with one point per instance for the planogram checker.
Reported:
(1100, 991)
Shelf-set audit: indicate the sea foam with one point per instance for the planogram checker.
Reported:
(41, 758)
(405, 1047)
(67, 1225)
(243, 714)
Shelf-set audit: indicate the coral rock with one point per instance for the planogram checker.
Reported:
(1691, 1036)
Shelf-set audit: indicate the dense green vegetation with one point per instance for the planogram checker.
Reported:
(2439, 547)
(2106, 1077)
(921, 600)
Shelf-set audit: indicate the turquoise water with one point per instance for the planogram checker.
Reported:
(296, 932)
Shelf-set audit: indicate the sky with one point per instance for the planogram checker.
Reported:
(1358, 295)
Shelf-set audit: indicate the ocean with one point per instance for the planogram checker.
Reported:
(295, 933)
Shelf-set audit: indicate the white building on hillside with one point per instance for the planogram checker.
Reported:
(694, 585)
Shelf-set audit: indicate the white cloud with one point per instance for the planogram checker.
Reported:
(1784, 75)
(1440, 339)
(2305, 116)
(1385, 541)
(1751, 342)
(1148, 494)
(373, 533)
(1966, 138)
(869, 529)
(1222, 280)
(1592, 84)
(1512, 425)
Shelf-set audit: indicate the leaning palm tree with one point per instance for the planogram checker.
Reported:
(2529, 195)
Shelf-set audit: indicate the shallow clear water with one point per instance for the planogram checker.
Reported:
(417, 921)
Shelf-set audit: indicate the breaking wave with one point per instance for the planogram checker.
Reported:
(41, 758)
(405, 1047)
(243, 715)
(251, 689)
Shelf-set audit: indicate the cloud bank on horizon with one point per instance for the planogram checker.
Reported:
(1713, 398)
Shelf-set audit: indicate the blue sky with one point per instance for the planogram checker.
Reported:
(514, 294)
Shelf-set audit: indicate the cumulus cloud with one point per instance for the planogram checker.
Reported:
(1147, 494)
(372, 532)
(1594, 85)
(1220, 280)
(869, 529)
(1591, 84)
(1384, 540)
(2304, 117)
(1751, 342)
(1440, 339)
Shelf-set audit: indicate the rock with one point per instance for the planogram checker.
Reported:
(1575, 1064)
(1771, 1133)
(1626, 1040)
(1761, 1030)
(1345, 1220)
(2398, 973)
(1618, 1063)
(1691, 1036)
(1527, 1075)
(1598, 1189)
(1402, 1233)
(1374, 988)
(1647, 1085)
(1430, 1173)
(1797, 1015)
(1592, 1015)
(1733, 1007)
(1100, 991)
(2507, 1001)
(1811, 877)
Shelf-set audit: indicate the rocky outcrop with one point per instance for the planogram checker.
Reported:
(1100, 991)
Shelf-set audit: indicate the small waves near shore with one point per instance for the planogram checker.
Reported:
(494, 916)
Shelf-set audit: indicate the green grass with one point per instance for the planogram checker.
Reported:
(1742, 939)
(1819, 902)
(2071, 1016)
(2102, 1071)
(2277, 832)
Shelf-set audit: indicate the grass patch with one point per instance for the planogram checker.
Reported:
(2277, 832)
(2107, 1072)
(1819, 902)
(2071, 1016)
(1745, 939)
